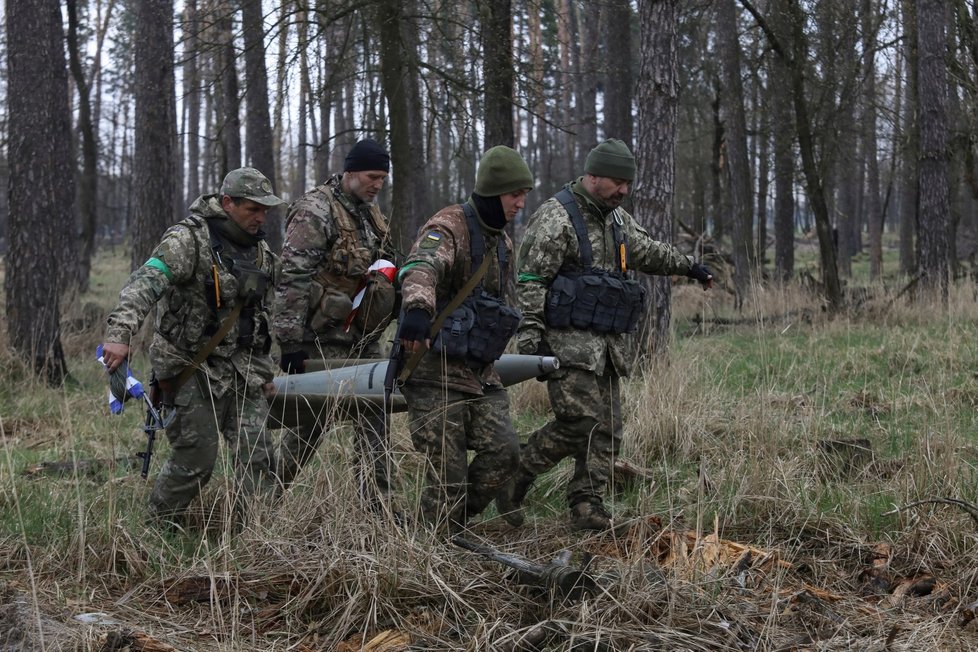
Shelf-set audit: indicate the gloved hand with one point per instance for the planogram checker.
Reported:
(702, 274)
(294, 362)
(528, 341)
(415, 326)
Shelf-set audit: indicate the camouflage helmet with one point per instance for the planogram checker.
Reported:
(249, 183)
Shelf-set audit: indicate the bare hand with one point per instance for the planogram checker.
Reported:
(114, 354)
(268, 389)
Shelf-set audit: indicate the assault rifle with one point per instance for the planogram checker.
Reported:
(558, 575)
(154, 421)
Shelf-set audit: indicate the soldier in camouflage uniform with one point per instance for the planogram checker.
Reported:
(333, 234)
(210, 269)
(457, 404)
(584, 392)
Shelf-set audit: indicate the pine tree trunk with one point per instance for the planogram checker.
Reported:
(41, 184)
(735, 130)
(619, 79)
(258, 123)
(154, 155)
(497, 66)
(658, 101)
(932, 177)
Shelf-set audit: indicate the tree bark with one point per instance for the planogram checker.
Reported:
(873, 211)
(258, 123)
(658, 101)
(191, 91)
(399, 77)
(231, 120)
(153, 174)
(933, 194)
(911, 140)
(619, 85)
(41, 186)
(735, 130)
(497, 66)
(88, 178)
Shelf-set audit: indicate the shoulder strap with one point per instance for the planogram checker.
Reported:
(477, 245)
(456, 301)
(226, 325)
(566, 199)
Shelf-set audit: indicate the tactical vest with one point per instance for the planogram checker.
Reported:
(590, 298)
(214, 290)
(349, 258)
(338, 278)
(481, 327)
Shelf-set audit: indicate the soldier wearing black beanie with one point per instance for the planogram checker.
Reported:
(367, 154)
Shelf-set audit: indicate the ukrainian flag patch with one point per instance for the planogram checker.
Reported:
(430, 240)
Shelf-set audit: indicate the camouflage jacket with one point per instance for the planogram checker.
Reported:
(331, 239)
(178, 280)
(551, 242)
(438, 266)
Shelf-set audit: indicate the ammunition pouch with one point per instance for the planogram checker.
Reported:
(597, 300)
(478, 330)
(252, 281)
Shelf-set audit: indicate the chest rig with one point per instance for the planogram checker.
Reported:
(591, 298)
(481, 327)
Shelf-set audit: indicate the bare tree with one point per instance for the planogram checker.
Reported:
(619, 83)
(933, 194)
(873, 209)
(658, 101)
(41, 183)
(154, 156)
(784, 161)
(735, 142)
(497, 65)
(258, 123)
(88, 178)
(399, 77)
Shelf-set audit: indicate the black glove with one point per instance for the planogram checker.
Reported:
(294, 362)
(415, 326)
(700, 273)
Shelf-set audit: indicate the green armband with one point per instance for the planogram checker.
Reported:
(531, 278)
(156, 263)
(400, 273)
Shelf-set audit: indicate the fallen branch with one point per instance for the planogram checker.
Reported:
(971, 509)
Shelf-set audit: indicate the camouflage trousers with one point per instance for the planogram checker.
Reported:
(370, 439)
(199, 421)
(586, 426)
(445, 425)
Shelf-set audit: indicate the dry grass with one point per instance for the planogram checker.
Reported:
(746, 533)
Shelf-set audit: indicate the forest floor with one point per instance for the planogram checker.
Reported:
(758, 492)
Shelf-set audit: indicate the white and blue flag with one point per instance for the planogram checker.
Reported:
(121, 387)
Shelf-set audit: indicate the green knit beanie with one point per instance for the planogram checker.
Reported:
(611, 159)
(502, 170)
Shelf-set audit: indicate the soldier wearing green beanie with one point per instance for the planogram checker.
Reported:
(455, 400)
(580, 301)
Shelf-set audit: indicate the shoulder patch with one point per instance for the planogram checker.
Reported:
(430, 240)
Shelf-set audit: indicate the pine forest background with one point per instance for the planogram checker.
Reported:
(755, 124)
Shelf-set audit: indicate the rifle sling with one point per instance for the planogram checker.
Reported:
(456, 301)
(208, 347)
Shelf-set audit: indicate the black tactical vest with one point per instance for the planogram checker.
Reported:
(590, 298)
(479, 329)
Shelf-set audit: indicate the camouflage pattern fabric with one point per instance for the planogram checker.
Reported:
(438, 267)
(228, 385)
(584, 393)
(550, 242)
(587, 426)
(184, 319)
(374, 469)
(445, 424)
(239, 416)
(331, 238)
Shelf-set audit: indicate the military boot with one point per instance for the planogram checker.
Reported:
(590, 516)
(509, 500)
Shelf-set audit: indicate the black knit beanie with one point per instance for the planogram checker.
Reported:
(368, 154)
